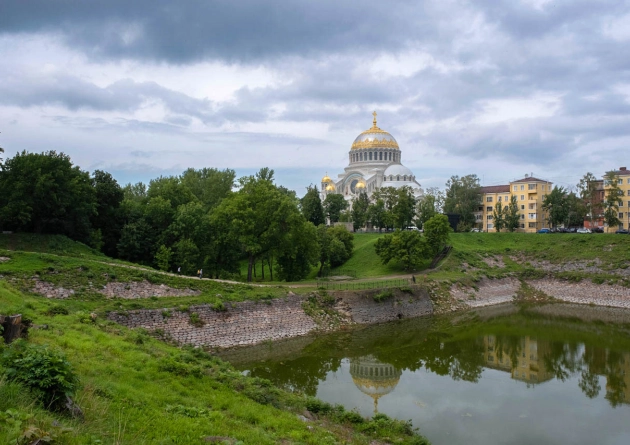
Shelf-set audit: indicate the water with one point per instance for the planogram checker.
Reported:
(501, 375)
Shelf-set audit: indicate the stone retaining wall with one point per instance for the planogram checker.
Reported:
(248, 323)
(488, 292)
(244, 323)
(584, 292)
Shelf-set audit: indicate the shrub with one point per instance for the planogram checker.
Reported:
(382, 296)
(57, 309)
(46, 371)
(219, 307)
(196, 320)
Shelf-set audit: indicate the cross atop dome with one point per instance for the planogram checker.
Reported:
(374, 121)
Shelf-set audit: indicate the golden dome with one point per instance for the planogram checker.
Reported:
(375, 138)
(360, 185)
(330, 187)
(326, 179)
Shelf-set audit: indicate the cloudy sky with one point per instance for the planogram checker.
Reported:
(499, 88)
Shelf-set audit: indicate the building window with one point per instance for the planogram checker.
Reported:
(532, 225)
(405, 178)
(515, 188)
(522, 216)
(499, 199)
(522, 187)
(628, 180)
(490, 226)
(507, 198)
(488, 198)
(488, 209)
(370, 156)
(522, 226)
(398, 178)
(531, 187)
(360, 156)
(522, 207)
(532, 216)
(522, 197)
(620, 215)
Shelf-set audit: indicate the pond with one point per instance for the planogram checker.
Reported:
(553, 374)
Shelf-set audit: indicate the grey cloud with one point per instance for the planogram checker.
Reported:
(244, 30)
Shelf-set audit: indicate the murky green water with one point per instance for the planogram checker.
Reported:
(502, 375)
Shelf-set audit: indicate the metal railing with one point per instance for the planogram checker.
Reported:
(363, 285)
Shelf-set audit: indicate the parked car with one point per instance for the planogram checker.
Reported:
(544, 231)
(622, 231)
(597, 230)
(475, 229)
(412, 228)
(583, 230)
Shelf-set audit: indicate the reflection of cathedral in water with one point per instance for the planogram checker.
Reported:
(525, 361)
(373, 377)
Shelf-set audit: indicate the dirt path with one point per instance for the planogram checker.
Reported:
(288, 285)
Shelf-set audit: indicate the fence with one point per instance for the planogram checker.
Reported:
(362, 285)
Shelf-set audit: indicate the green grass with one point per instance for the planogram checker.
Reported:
(138, 390)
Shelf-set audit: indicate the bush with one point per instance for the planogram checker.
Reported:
(43, 370)
(57, 309)
(196, 320)
(382, 296)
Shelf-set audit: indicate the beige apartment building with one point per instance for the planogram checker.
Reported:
(530, 193)
(623, 180)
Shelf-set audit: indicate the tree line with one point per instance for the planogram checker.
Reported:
(204, 218)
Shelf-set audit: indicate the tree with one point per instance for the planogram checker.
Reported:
(426, 210)
(612, 199)
(312, 208)
(499, 216)
(408, 248)
(109, 217)
(389, 196)
(209, 185)
(436, 232)
(404, 210)
(462, 198)
(376, 214)
(512, 217)
(335, 246)
(589, 193)
(334, 204)
(46, 193)
(555, 203)
(359, 210)
(163, 258)
(298, 252)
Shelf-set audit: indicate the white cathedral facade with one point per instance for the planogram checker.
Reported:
(374, 162)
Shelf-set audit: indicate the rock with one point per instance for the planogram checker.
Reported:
(73, 408)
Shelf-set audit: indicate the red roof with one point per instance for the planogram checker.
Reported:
(623, 171)
(496, 189)
(531, 179)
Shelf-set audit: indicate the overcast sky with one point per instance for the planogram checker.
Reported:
(499, 88)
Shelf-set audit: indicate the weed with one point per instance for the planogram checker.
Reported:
(382, 296)
(219, 307)
(196, 320)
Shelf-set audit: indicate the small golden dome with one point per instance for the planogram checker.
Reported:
(360, 185)
(326, 179)
(330, 187)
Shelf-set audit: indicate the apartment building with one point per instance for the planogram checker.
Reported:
(529, 192)
(623, 180)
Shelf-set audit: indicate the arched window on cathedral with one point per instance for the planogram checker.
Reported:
(398, 178)
(370, 156)
(391, 178)
(360, 156)
(390, 155)
(405, 178)
(380, 156)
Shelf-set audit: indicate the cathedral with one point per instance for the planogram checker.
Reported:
(374, 162)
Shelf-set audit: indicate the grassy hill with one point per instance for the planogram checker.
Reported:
(135, 389)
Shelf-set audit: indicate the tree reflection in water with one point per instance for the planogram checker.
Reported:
(410, 345)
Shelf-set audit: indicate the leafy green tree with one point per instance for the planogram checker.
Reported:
(512, 217)
(588, 188)
(312, 208)
(426, 210)
(171, 189)
(335, 246)
(109, 217)
(408, 248)
(137, 241)
(163, 258)
(346, 239)
(462, 198)
(298, 252)
(404, 210)
(612, 199)
(209, 185)
(334, 204)
(376, 214)
(359, 210)
(260, 216)
(389, 196)
(555, 204)
(499, 215)
(187, 256)
(45, 193)
(436, 232)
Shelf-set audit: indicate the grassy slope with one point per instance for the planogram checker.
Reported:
(129, 380)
